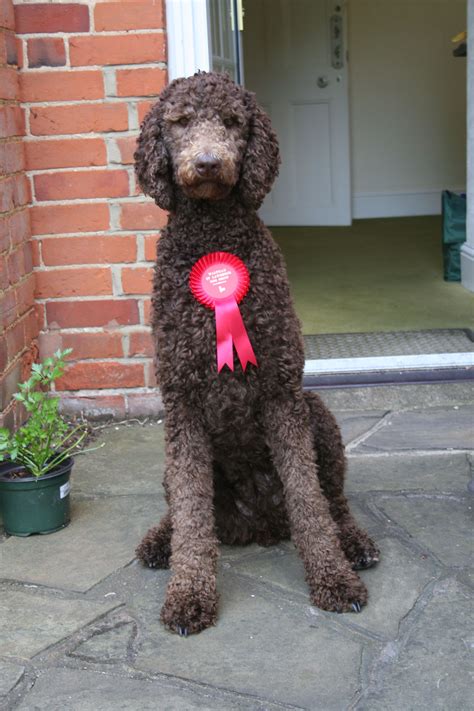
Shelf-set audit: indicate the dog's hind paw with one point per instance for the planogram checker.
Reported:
(155, 550)
(358, 548)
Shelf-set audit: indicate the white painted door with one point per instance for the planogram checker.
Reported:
(295, 60)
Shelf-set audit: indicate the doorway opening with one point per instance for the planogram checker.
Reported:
(372, 127)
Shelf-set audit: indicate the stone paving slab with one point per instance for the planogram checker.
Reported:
(109, 646)
(439, 428)
(101, 537)
(403, 471)
(10, 675)
(354, 423)
(394, 585)
(132, 461)
(262, 645)
(434, 668)
(79, 690)
(32, 621)
(443, 526)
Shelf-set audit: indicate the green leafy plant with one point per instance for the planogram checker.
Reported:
(46, 439)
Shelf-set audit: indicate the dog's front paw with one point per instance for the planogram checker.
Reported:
(340, 592)
(190, 605)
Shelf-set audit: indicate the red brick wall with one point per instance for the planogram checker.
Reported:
(18, 327)
(89, 70)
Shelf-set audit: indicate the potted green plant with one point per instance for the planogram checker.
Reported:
(36, 461)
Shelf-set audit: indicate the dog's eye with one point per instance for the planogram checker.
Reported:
(183, 121)
(231, 121)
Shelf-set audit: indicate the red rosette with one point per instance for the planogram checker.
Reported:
(218, 276)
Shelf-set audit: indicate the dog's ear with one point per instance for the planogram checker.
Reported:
(262, 157)
(152, 163)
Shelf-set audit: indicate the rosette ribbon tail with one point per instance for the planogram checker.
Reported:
(230, 330)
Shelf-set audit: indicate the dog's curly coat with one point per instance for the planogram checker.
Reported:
(241, 447)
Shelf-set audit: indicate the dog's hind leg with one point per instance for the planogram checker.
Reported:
(155, 548)
(356, 544)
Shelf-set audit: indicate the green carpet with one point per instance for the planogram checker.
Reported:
(377, 275)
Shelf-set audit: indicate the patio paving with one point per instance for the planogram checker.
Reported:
(79, 617)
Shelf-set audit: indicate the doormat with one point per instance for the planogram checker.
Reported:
(392, 343)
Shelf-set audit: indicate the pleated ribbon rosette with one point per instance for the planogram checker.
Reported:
(220, 281)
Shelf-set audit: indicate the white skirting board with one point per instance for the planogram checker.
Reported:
(398, 203)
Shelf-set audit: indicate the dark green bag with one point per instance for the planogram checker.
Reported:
(454, 233)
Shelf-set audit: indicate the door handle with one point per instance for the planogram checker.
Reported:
(322, 82)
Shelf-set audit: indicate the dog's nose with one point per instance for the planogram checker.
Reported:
(207, 165)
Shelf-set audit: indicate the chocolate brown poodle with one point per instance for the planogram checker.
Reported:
(250, 457)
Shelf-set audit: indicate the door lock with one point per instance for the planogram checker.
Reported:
(322, 82)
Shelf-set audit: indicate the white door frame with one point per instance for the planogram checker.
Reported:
(187, 26)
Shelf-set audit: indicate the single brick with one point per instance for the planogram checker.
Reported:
(15, 266)
(4, 273)
(78, 217)
(89, 281)
(147, 307)
(28, 257)
(150, 375)
(127, 147)
(95, 406)
(12, 121)
(25, 294)
(108, 374)
(51, 17)
(46, 52)
(14, 192)
(116, 49)
(140, 82)
(8, 384)
(141, 344)
(15, 337)
(142, 216)
(137, 280)
(11, 49)
(129, 16)
(143, 108)
(62, 86)
(12, 157)
(8, 310)
(148, 404)
(40, 312)
(79, 118)
(90, 313)
(85, 345)
(88, 250)
(7, 17)
(19, 226)
(9, 87)
(3, 352)
(31, 326)
(41, 153)
(150, 247)
(81, 184)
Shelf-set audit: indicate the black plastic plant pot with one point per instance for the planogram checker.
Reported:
(30, 504)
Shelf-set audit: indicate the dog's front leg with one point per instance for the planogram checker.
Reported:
(332, 582)
(191, 598)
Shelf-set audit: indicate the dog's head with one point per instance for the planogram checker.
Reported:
(206, 136)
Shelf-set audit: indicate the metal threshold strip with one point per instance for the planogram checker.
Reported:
(385, 367)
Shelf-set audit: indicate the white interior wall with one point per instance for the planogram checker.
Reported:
(408, 104)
